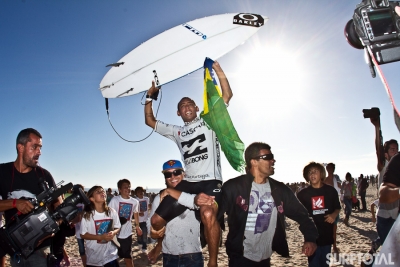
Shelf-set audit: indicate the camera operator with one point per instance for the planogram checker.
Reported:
(19, 183)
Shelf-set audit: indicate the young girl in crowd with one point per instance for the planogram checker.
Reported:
(99, 225)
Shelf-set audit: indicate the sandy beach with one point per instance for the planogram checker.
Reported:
(353, 239)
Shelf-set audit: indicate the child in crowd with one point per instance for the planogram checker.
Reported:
(99, 225)
(322, 204)
(143, 216)
(126, 207)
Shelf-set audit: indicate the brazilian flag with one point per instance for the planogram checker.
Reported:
(216, 115)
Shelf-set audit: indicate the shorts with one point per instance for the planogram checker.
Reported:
(169, 207)
(124, 251)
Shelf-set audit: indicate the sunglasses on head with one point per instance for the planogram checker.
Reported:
(265, 157)
(174, 173)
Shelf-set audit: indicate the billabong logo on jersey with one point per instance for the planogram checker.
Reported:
(194, 147)
(318, 202)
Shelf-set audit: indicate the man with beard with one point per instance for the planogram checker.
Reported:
(19, 183)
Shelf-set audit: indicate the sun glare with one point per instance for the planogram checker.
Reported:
(274, 76)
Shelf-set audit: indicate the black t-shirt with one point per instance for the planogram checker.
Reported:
(14, 184)
(392, 174)
(320, 202)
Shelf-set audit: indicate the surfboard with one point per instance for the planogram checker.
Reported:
(389, 254)
(178, 51)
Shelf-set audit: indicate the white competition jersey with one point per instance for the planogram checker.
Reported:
(199, 148)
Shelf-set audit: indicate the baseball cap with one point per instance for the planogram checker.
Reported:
(172, 164)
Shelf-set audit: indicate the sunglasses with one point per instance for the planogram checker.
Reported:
(265, 157)
(174, 173)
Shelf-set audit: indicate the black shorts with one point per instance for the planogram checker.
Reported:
(124, 251)
(169, 207)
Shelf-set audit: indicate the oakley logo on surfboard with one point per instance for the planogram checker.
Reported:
(190, 28)
(246, 19)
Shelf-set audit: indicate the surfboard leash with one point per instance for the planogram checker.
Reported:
(387, 88)
(141, 101)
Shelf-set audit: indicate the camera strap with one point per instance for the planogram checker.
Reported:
(387, 88)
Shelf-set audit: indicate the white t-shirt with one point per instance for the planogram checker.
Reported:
(143, 207)
(98, 253)
(199, 147)
(125, 208)
(182, 234)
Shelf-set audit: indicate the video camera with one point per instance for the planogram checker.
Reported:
(376, 25)
(21, 235)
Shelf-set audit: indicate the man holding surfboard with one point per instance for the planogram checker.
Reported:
(200, 152)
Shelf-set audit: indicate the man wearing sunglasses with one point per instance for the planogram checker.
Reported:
(200, 152)
(181, 243)
(256, 206)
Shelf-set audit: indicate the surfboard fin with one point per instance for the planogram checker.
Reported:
(115, 64)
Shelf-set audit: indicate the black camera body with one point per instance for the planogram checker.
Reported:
(376, 25)
(371, 113)
(21, 235)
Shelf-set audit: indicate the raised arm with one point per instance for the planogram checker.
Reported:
(378, 143)
(149, 118)
(223, 81)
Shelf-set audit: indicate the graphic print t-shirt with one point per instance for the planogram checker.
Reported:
(99, 253)
(199, 149)
(143, 209)
(125, 208)
(320, 202)
(16, 185)
(260, 224)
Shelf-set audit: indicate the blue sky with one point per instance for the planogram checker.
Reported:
(297, 85)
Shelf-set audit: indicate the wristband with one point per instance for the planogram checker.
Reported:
(149, 99)
(14, 204)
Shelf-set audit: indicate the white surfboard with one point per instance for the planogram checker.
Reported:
(178, 52)
(389, 254)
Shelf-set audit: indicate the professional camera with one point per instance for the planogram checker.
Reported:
(371, 113)
(21, 235)
(376, 25)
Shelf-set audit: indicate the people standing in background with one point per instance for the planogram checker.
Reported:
(362, 191)
(332, 181)
(144, 203)
(109, 195)
(347, 191)
(127, 208)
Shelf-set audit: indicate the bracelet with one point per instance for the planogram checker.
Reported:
(14, 204)
(149, 99)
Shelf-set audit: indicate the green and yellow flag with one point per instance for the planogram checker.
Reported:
(216, 115)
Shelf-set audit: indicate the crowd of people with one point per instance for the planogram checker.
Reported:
(190, 212)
